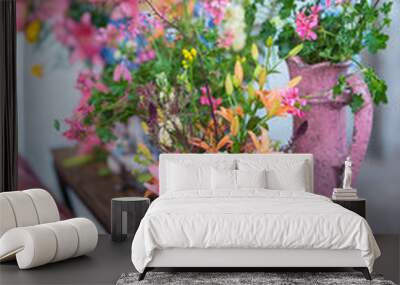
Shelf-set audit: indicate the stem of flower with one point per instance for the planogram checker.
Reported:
(148, 2)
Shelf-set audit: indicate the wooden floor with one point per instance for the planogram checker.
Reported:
(110, 260)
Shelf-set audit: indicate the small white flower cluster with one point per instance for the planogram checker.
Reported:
(267, 10)
(234, 23)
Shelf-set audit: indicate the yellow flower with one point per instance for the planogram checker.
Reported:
(185, 64)
(142, 149)
(32, 31)
(254, 52)
(185, 53)
(228, 85)
(37, 70)
(189, 55)
(238, 73)
(145, 127)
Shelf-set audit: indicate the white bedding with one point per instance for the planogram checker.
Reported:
(251, 218)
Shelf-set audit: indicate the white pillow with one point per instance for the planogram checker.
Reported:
(251, 178)
(188, 177)
(282, 174)
(223, 179)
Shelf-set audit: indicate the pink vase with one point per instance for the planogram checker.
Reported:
(325, 137)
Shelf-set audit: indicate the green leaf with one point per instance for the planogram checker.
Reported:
(251, 125)
(356, 102)
(144, 177)
(340, 86)
(78, 160)
(386, 7)
(376, 86)
(268, 30)
(104, 171)
(56, 124)
(376, 40)
(287, 8)
(105, 134)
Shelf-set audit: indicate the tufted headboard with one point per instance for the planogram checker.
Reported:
(211, 159)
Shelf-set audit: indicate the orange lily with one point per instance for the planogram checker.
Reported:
(261, 144)
(225, 141)
(272, 101)
(232, 116)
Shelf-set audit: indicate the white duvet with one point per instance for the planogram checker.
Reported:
(253, 218)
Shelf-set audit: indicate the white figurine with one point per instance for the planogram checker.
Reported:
(347, 174)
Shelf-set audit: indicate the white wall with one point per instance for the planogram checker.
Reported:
(379, 178)
(41, 100)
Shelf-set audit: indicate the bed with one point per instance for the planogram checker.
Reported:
(246, 211)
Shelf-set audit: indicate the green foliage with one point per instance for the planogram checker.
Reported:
(99, 15)
(143, 177)
(356, 102)
(376, 86)
(340, 86)
(340, 37)
(376, 41)
(56, 125)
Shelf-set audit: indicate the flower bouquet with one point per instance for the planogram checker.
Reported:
(336, 31)
(194, 72)
(197, 73)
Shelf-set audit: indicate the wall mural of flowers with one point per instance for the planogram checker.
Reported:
(197, 73)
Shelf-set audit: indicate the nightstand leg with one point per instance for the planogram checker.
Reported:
(142, 275)
(364, 271)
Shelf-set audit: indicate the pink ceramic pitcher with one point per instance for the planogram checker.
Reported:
(325, 137)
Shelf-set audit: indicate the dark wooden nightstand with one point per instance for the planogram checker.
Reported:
(358, 206)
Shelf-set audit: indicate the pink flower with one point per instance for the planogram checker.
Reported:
(205, 101)
(110, 35)
(51, 9)
(121, 71)
(145, 56)
(85, 136)
(292, 100)
(101, 87)
(226, 40)
(86, 82)
(126, 9)
(90, 142)
(216, 9)
(22, 14)
(83, 108)
(155, 185)
(81, 37)
(305, 24)
(76, 130)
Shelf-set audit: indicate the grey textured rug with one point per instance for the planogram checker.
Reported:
(243, 278)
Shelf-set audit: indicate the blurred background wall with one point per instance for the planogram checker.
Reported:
(41, 100)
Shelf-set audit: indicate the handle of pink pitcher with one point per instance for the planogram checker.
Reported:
(362, 124)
